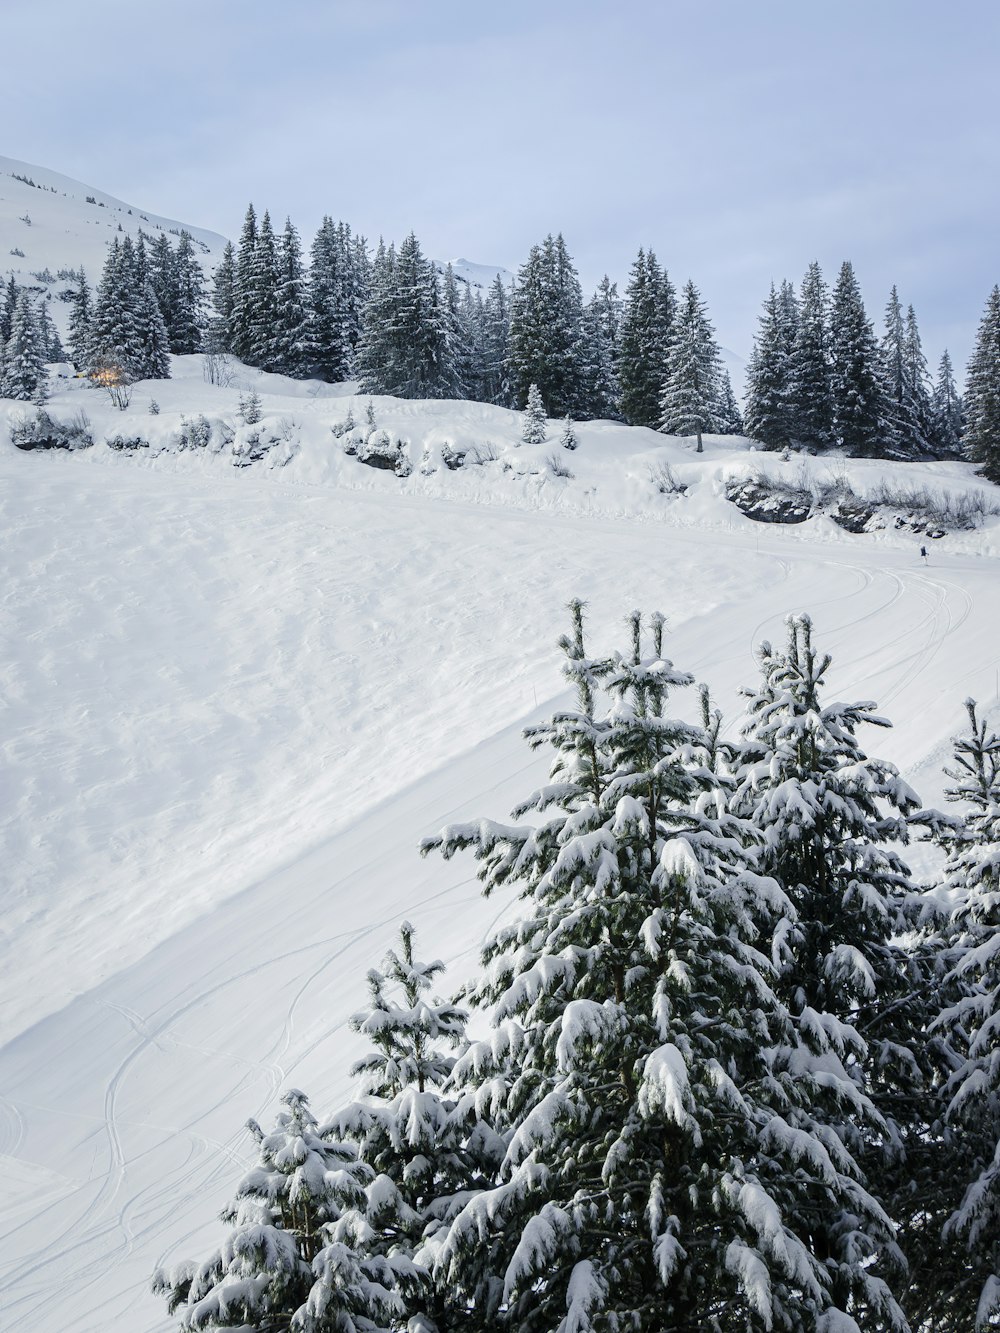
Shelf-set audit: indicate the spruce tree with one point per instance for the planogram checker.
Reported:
(426, 1151)
(918, 390)
(646, 327)
(220, 327)
(117, 331)
(602, 317)
(265, 282)
(947, 411)
(689, 401)
(328, 353)
(728, 417)
(245, 317)
(664, 1167)
(496, 339)
(25, 354)
(292, 1259)
(832, 817)
(809, 381)
(858, 396)
(771, 410)
(376, 353)
(184, 323)
(982, 394)
(968, 1293)
(150, 357)
(290, 334)
(79, 322)
(458, 368)
(546, 329)
(11, 292)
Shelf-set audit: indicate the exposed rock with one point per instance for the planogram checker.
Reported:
(769, 506)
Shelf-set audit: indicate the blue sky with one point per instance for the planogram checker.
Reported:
(739, 139)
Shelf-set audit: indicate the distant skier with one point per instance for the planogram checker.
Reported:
(923, 554)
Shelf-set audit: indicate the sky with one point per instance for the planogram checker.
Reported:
(740, 140)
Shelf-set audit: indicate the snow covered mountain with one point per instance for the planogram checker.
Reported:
(478, 276)
(50, 222)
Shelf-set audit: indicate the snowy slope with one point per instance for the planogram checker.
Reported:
(478, 276)
(235, 698)
(59, 223)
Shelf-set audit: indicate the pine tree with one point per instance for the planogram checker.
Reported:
(982, 394)
(184, 323)
(809, 382)
(533, 418)
(458, 372)
(901, 426)
(161, 264)
(220, 328)
(375, 350)
(25, 354)
(496, 340)
(947, 411)
(728, 418)
(646, 327)
(290, 335)
(424, 1149)
(970, 1291)
(115, 334)
(150, 356)
(602, 317)
(265, 282)
(771, 410)
(546, 329)
(48, 333)
(292, 1259)
(918, 390)
(860, 407)
(688, 403)
(79, 322)
(11, 292)
(245, 316)
(663, 1168)
(831, 817)
(328, 350)
(568, 438)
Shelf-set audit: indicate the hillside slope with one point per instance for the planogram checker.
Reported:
(242, 681)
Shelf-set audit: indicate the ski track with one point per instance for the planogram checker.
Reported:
(140, 1216)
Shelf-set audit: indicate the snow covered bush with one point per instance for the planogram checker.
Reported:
(533, 420)
(43, 431)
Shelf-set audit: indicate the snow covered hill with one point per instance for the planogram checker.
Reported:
(249, 665)
(50, 223)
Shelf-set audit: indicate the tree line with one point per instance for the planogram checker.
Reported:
(740, 1070)
(819, 376)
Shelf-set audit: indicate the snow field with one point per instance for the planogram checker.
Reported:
(235, 700)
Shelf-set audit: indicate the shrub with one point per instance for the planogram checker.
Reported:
(663, 477)
(196, 434)
(43, 431)
(558, 468)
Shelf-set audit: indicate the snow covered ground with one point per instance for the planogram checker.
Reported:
(235, 698)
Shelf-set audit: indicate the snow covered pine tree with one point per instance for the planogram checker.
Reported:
(429, 1151)
(972, 872)
(664, 1168)
(289, 1262)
